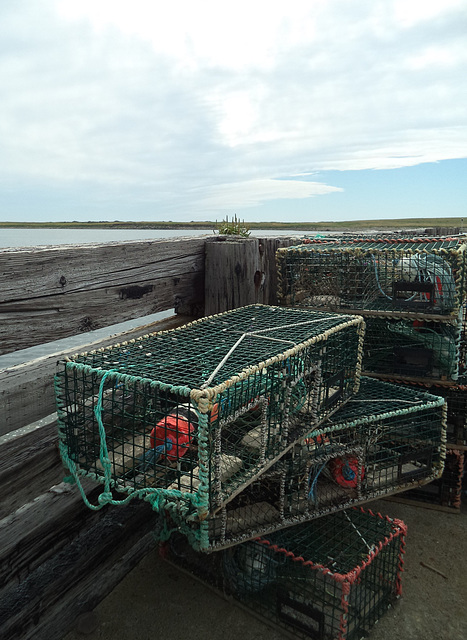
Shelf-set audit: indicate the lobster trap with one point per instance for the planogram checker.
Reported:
(385, 275)
(420, 348)
(456, 397)
(386, 439)
(445, 493)
(330, 579)
(192, 415)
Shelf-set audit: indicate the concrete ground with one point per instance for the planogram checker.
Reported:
(156, 601)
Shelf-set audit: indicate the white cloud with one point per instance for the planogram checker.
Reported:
(254, 192)
(410, 12)
(165, 102)
(207, 32)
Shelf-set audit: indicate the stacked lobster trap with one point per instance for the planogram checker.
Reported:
(257, 422)
(327, 579)
(380, 275)
(446, 492)
(411, 293)
(384, 440)
(187, 418)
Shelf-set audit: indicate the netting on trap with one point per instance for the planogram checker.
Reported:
(445, 491)
(419, 349)
(455, 395)
(332, 578)
(456, 398)
(386, 439)
(415, 276)
(194, 414)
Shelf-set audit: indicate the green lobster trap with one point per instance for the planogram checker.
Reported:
(192, 415)
(455, 395)
(386, 439)
(385, 275)
(445, 492)
(456, 398)
(330, 579)
(405, 348)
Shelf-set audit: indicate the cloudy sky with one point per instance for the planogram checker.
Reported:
(193, 110)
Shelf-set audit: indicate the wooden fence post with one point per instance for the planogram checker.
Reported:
(240, 271)
(231, 267)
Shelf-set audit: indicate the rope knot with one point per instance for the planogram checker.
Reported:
(204, 405)
(105, 497)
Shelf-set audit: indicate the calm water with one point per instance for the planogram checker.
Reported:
(37, 237)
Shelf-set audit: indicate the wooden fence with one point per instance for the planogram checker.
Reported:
(58, 558)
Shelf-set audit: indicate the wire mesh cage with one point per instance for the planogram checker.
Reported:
(455, 395)
(446, 491)
(419, 275)
(386, 439)
(194, 414)
(415, 348)
(332, 578)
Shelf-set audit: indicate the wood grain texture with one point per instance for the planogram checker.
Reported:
(267, 249)
(29, 465)
(241, 271)
(231, 265)
(59, 558)
(40, 527)
(55, 292)
(27, 390)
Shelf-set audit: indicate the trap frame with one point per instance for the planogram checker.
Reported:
(386, 439)
(455, 395)
(329, 579)
(444, 493)
(419, 349)
(187, 418)
(414, 276)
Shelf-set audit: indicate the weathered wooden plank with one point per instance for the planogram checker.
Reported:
(40, 528)
(27, 390)
(52, 319)
(93, 587)
(55, 292)
(29, 465)
(44, 271)
(267, 250)
(233, 275)
(46, 601)
(241, 271)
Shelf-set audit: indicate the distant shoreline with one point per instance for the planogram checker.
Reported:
(351, 225)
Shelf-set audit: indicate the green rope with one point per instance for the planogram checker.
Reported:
(157, 497)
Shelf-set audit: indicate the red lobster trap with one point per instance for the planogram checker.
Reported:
(187, 418)
(385, 440)
(329, 579)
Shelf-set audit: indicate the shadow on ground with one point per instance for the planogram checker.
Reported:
(157, 601)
